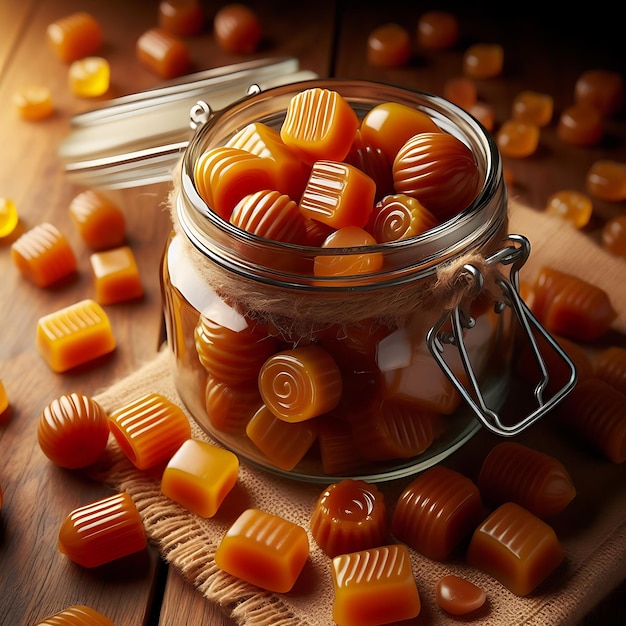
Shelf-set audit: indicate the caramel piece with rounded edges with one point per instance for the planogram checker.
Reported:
(182, 18)
(301, 383)
(265, 550)
(614, 236)
(163, 53)
(77, 615)
(319, 125)
(515, 547)
(229, 407)
(459, 596)
(609, 365)
(348, 264)
(374, 586)
(437, 511)
(389, 45)
(518, 139)
(349, 516)
(199, 476)
(73, 431)
(373, 162)
(535, 480)
(74, 335)
(399, 216)
(100, 223)
(602, 89)
(437, 30)
(9, 217)
(43, 255)
(149, 429)
(34, 103)
(573, 206)
(89, 77)
(483, 60)
(116, 275)
(237, 28)
(606, 180)
(580, 125)
(75, 36)
(533, 107)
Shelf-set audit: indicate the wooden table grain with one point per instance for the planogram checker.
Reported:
(544, 53)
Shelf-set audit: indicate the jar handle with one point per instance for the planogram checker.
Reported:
(514, 255)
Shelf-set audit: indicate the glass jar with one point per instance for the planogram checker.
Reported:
(421, 348)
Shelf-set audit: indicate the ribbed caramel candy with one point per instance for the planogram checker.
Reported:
(229, 408)
(436, 511)
(399, 216)
(77, 615)
(515, 547)
(535, 480)
(610, 366)
(100, 223)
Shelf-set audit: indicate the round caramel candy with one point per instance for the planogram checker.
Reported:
(606, 180)
(517, 139)
(459, 596)
(389, 45)
(437, 30)
(571, 205)
(614, 236)
(602, 89)
(399, 216)
(237, 28)
(483, 60)
(580, 125)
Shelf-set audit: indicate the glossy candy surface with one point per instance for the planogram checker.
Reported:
(399, 216)
(349, 516)
(116, 275)
(230, 407)
(436, 511)
(149, 429)
(515, 547)
(9, 217)
(348, 264)
(73, 431)
(602, 89)
(580, 125)
(374, 586)
(373, 162)
(574, 206)
(102, 531)
(199, 476)
(437, 30)
(75, 36)
(162, 53)
(182, 18)
(613, 236)
(74, 335)
(389, 45)
(459, 596)
(517, 139)
(43, 255)
(533, 107)
(34, 103)
(89, 77)
(100, 222)
(606, 179)
(266, 550)
(483, 60)
(77, 615)
(533, 479)
(237, 28)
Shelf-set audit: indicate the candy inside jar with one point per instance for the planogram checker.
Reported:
(318, 265)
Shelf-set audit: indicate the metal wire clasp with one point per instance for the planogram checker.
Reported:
(460, 322)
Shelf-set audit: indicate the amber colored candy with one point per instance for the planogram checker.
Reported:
(234, 357)
(162, 53)
(237, 29)
(270, 214)
(349, 516)
(399, 216)
(89, 77)
(571, 205)
(301, 383)
(459, 596)
(290, 173)
(4, 402)
(230, 408)
(74, 335)
(389, 45)
(348, 264)
(100, 223)
(533, 107)
(199, 476)
(338, 454)
(338, 194)
(483, 60)
(283, 443)
(517, 139)
(609, 364)
(374, 586)
(461, 91)
(316, 232)
(606, 180)
(436, 511)
(602, 89)
(102, 531)
(484, 113)
(34, 103)
(182, 18)
(595, 412)
(149, 429)
(570, 306)
(389, 125)
(75, 36)
(225, 175)
(73, 431)
(265, 550)
(580, 125)
(513, 472)
(437, 30)
(373, 162)
(613, 236)
(440, 171)
(77, 615)
(515, 547)
(116, 275)
(43, 255)
(9, 217)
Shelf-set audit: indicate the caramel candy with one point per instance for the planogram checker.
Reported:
(163, 53)
(515, 547)
(74, 36)
(459, 596)
(265, 550)
(77, 615)
(4, 401)
(349, 516)
(339, 455)
(199, 476)
(116, 275)
(533, 479)
(609, 365)
(436, 511)
(374, 586)
(230, 408)
(99, 222)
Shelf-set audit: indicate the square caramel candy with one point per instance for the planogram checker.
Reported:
(374, 586)
(116, 275)
(74, 335)
(199, 476)
(265, 550)
(515, 547)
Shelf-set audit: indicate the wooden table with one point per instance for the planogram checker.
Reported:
(542, 53)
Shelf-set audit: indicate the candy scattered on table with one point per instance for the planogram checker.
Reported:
(89, 77)
(459, 596)
(34, 103)
(574, 206)
(116, 275)
(162, 53)
(237, 29)
(389, 45)
(77, 615)
(9, 217)
(100, 223)
(182, 18)
(75, 36)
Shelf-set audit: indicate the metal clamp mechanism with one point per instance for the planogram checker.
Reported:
(514, 255)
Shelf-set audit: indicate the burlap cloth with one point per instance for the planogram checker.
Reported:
(592, 529)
